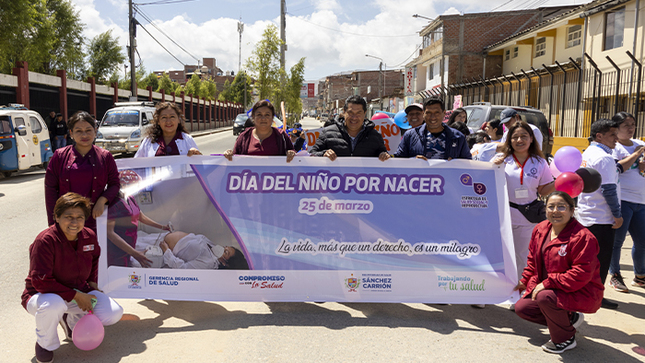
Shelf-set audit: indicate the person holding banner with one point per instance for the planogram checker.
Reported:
(167, 135)
(63, 275)
(562, 276)
(356, 136)
(434, 140)
(82, 168)
(263, 139)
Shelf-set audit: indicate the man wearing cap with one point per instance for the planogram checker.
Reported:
(415, 115)
(297, 138)
(509, 116)
(434, 140)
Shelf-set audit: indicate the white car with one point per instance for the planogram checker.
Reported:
(123, 127)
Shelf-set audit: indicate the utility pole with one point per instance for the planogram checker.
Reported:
(283, 36)
(132, 50)
(240, 29)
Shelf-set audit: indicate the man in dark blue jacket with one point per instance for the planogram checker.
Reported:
(433, 139)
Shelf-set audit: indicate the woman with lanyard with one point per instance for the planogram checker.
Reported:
(82, 168)
(167, 135)
(527, 176)
(632, 202)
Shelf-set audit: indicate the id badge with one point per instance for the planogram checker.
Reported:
(522, 193)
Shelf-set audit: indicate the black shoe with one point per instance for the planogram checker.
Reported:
(66, 328)
(608, 304)
(43, 355)
(560, 347)
(577, 319)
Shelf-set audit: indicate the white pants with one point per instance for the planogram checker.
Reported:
(49, 309)
(521, 239)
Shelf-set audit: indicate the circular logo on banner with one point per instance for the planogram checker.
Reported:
(479, 188)
(466, 179)
(35, 139)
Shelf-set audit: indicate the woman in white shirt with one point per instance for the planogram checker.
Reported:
(189, 251)
(527, 176)
(167, 134)
(632, 201)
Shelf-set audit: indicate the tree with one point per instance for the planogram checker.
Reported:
(264, 63)
(166, 84)
(193, 85)
(66, 39)
(138, 76)
(104, 56)
(234, 92)
(150, 80)
(293, 103)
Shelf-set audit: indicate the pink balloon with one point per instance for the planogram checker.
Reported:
(88, 333)
(379, 115)
(568, 159)
(570, 183)
(554, 170)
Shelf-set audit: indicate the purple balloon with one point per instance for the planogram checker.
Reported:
(88, 333)
(567, 159)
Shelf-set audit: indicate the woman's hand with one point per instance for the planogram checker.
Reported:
(228, 154)
(383, 156)
(97, 211)
(290, 155)
(84, 301)
(498, 160)
(330, 154)
(164, 246)
(141, 258)
(193, 151)
(536, 290)
(519, 287)
(165, 228)
(422, 157)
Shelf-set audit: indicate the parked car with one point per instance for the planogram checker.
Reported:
(240, 123)
(481, 112)
(123, 127)
(323, 117)
(24, 139)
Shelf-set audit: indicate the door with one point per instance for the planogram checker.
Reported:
(23, 142)
(37, 135)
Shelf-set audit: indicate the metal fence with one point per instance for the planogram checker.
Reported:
(571, 98)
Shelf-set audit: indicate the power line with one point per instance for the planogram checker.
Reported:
(499, 6)
(147, 18)
(410, 56)
(164, 2)
(161, 45)
(357, 34)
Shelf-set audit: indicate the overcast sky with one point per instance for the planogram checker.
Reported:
(333, 35)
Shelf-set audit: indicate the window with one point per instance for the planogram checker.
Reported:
(36, 127)
(516, 52)
(507, 54)
(431, 71)
(540, 47)
(438, 33)
(427, 40)
(574, 34)
(19, 121)
(5, 125)
(614, 28)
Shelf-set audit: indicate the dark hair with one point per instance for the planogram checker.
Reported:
(72, 200)
(154, 131)
(621, 117)
(237, 262)
(601, 126)
(263, 103)
(434, 101)
(534, 148)
(567, 198)
(478, 137)
(471, 140)
(454, 114)
(496, 124)
(78, 117)
(461, 127)
(357, 100)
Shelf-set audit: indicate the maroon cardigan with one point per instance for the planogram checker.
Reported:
(105, 181)
(58, 268)
(244, 140)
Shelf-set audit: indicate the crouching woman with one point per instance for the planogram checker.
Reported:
(63, 274)
(562, 276)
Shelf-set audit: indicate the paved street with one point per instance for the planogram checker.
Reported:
(181, 331)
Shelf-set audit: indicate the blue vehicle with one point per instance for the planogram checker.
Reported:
(24, 139)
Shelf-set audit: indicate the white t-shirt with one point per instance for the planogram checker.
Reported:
(536, 132)
(484, 152)
(522, 189)
(592, 207)
(632, 183)
(192, 252)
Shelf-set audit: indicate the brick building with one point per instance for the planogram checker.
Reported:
(208, 69)
(452, 48)
(336, 88)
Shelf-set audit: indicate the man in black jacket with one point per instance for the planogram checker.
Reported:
(355, 136)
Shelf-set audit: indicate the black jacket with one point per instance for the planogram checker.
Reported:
(335, 137)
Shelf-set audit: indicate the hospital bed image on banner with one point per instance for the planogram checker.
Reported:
(355, 229)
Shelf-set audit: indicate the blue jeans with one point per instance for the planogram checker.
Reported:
(634, 222)
(61, 141)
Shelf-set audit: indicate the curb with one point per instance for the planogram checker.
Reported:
(209, 132)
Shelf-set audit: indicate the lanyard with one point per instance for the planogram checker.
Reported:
(522, 167)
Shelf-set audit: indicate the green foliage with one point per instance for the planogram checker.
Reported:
(292, 100)
(138, 77)
(104, 56)
(193, 85)
(234, 92)
(150, 80)
(166, 84)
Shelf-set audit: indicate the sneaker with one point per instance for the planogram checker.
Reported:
(638, 281)
(43, 355)
(577, 319)
(551, 347)
(617, 283)
(608, 304)
(66, 328)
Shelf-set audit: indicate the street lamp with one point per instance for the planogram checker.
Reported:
(381, 88)
(422, 17)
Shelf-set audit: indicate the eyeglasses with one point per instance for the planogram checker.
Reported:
(558, 207)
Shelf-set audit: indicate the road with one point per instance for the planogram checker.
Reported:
(181, 331)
